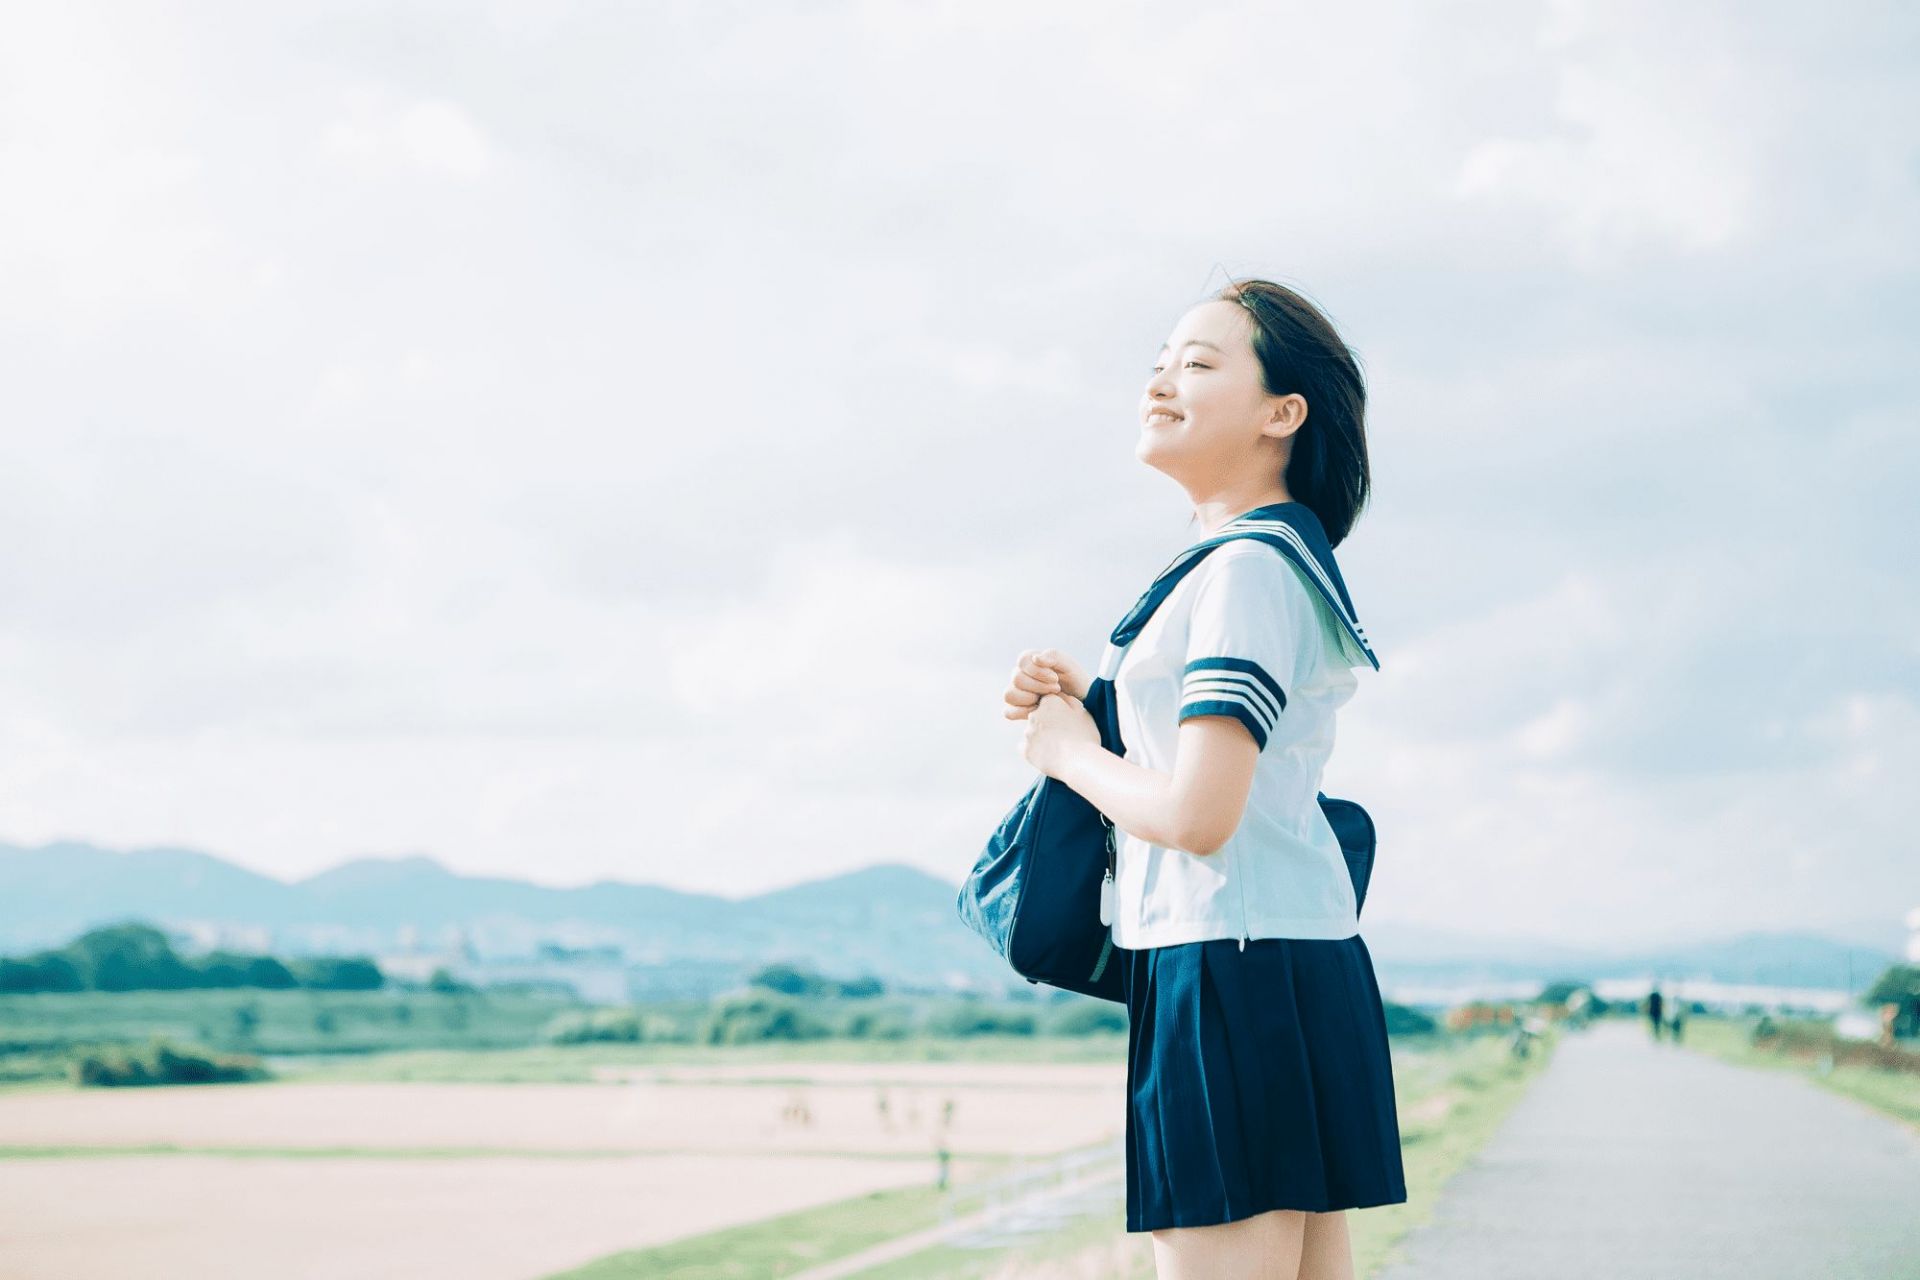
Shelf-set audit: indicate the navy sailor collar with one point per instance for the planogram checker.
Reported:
(1290, 528)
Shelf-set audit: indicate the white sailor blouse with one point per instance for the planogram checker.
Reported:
(1242, 634)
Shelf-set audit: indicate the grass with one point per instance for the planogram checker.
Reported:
(793, 1241)
(1892, 1093)
(577, 1063)
(38, 1030)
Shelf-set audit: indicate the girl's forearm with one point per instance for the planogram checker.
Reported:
(1138, 800)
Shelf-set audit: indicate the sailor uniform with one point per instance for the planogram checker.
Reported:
(1259, 1075)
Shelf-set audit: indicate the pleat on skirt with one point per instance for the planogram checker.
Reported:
(1257, 1079)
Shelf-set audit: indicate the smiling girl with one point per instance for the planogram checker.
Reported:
(1260, 1087)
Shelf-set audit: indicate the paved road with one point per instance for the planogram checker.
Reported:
(1635, 1160)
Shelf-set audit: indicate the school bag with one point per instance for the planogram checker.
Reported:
(1042, 891)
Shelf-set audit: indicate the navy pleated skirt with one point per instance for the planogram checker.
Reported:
(1257, 1079)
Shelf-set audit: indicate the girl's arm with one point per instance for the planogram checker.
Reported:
(1196, 808)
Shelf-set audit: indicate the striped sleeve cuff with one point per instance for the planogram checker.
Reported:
(1237, 687)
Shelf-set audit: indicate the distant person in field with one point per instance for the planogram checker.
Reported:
(1654, 1011)
(1679, 1016)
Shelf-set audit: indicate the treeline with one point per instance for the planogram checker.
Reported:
(134, 956)
(760, 1014)
(791, 980)
(784, 1002)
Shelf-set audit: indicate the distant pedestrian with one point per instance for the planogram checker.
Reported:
(1653, 1011)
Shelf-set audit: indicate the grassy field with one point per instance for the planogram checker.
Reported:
(37, 1029)
(585, 1062)
(453, 1037)
(1893, 1093)
(1451, 1095)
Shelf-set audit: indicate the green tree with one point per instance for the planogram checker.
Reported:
(789, 980)
(447, 984)
(338, 973)
(45, 971)
(131, 956)
(1899, 982)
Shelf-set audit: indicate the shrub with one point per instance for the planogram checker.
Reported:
(761, 1016)
(873, 1024)
(1814, 1041)
(1405, 1021)
(971, 1018)
(1087, 1018)
(584, 1027)
(160, 1062)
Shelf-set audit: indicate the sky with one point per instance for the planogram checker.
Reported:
(578, 442)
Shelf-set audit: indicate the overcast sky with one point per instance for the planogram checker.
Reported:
(575, 442)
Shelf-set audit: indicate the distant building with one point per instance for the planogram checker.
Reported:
(597, 981)
(200, 936)
(1730, 997)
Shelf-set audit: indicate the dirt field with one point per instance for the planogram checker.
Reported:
(698, 1153)
(508, 1218)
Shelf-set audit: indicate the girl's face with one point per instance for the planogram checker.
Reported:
(1205, 419)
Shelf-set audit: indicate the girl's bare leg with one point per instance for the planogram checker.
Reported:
(1266, 1246)
(1326, 1251)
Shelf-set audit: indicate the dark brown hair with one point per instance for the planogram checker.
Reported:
(1299, 351)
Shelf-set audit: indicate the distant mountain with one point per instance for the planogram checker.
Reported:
(894, 921)
(1407, 955)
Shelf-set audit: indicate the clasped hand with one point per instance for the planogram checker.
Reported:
(1046, 692)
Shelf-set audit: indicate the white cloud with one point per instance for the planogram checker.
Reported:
(375, 132)
(1643, 156)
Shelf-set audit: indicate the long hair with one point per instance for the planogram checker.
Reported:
(1299, 351)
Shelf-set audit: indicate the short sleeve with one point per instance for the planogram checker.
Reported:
(1244, 638)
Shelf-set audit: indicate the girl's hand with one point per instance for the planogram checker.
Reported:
(1039, 673)
(1054, 727)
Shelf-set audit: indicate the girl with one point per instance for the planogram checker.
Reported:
(1260, 1089)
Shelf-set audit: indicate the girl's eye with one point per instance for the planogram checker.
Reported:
(1194, 363)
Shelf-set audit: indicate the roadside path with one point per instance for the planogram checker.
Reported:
(1631, 1159)
(902, 1246)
